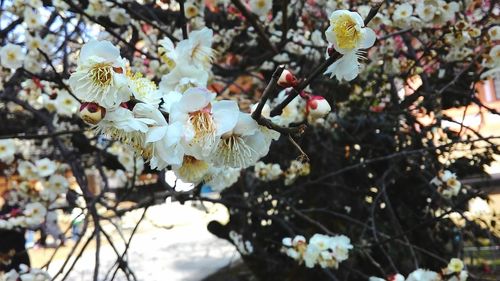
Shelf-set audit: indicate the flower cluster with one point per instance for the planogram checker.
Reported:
(323, 250)
(244, 247)
(191, 131)
(36, 188)
(271, 172)
(447, 184)
(453, 272)
(25, 273)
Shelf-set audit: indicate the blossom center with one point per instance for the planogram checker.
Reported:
(261, 4)
(11, 55)
(203, 125)
(101, 74)
(347, 32)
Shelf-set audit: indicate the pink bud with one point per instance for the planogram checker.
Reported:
(317, 107)
(92, 113)
(287, 79)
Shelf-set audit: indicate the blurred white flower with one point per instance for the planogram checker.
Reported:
(26, 169)
(423, 275)
(323, 250)
(455, 265)
(11, 56)
(32, 19)
(66, 105)
(261, 7)
(395, 277)
(58, 184)
(35, 213)
(494, 32)
(267, 172)
(403, 11)
(45, 167)
(183, 77)
(119, 16)
(221, 178)
(447, 184)
(7, 150)
(197, 49)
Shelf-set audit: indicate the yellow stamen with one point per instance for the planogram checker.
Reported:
(101, 74)
(346, 31)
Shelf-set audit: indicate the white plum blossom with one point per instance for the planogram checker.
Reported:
(447, 183)
(35, 213)
(45, 167)
(241, 146)
(183, 77)
(7, 150)
(121, 124)
(162, 137)
(119, 16)
(292, 113)
(494, 33)
(26, 169)
(11, 56)
(144, 90)
(348, 35)
(66, 104)
(323, 250)
(436, 11)
(197, 49)
(203, 120)
(267, 172)
(261, 7)
(191, 170)
(32, 19)
(402, 12)
(100, 75)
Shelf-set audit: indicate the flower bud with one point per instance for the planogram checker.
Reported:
(92, 113)
(317, 107)
(287, 79)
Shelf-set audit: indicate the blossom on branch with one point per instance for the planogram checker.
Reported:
(348, 35)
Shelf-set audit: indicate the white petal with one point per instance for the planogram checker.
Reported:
(369, 38)
(195, 99)
(149, 111)
(169, 99)
(225, 114)
(156, 133)
(174, 133)
(246, 125)
(102, 49)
